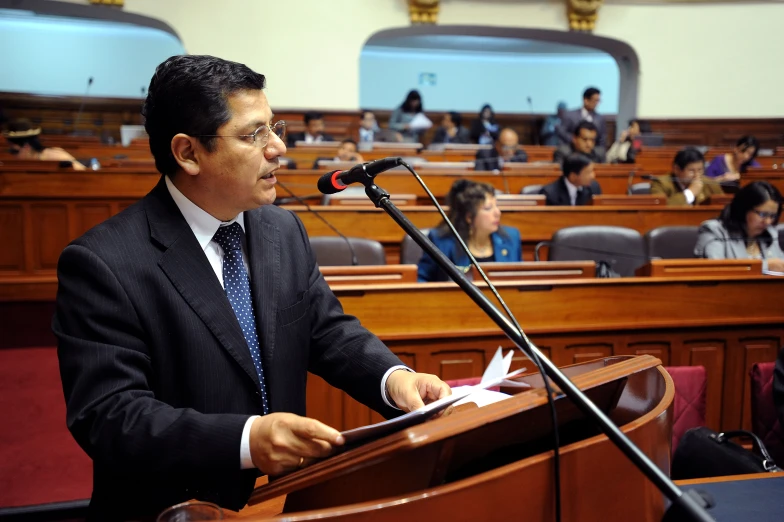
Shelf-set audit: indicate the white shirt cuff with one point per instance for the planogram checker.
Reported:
(246, 462)
(384, 394)
(689, 196)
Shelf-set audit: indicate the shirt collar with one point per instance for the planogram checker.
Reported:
(572, 190)
(201, 222)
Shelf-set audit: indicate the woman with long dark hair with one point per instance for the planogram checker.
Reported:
(746, 228)
(728, 167)
(400, 119)
(477, 218)
(484, 129)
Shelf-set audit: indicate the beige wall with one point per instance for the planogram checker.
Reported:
(709, 60)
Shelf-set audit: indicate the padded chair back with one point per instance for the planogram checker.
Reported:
(765, 421)
(350, 192)
(410, 252)
(688, 410)
(531, 189)
(333, 251)
(671, 242)
(622, 247)
(640, 188)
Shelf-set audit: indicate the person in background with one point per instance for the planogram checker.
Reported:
(583, 141)
(727, 168)
(400, 119)
(628, 146)
(591, 99)
(314, 130)
(476, 217)
(484, 129)
(746, 228)
(577, 186)
(22, 136)
(370, 132)
(686, 185)
(507, 148)
(452, 130)
(548, 134)
(347, 151)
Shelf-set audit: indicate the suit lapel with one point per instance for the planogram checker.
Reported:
(263, 240)
(186, 266)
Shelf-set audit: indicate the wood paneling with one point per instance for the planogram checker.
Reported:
(457, 364)
(12, 234)
(711, 355)
(50, 234)
(88, 215)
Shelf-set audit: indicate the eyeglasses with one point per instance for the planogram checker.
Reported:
(260, 136)
(767, 215)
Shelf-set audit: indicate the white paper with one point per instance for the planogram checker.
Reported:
(499, 365)
(481, 397)
(420, 122)
(772, 273)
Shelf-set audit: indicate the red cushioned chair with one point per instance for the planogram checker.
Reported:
(765, 422)
(689, 408)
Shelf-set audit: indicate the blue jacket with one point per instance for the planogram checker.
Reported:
(506, 248)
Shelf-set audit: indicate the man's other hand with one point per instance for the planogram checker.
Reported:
(410, 391)
(283, 442)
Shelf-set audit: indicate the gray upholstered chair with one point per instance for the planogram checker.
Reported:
(621, 247)
(410, 252)
(640, 188)
(531, 189)
(334, 251)
(671, 242)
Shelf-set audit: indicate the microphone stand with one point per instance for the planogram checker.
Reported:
(684, 506)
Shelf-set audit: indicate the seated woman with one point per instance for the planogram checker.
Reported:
(23, 138)
(746, 228)
(401, 118)
(728, 167)
(475, 215)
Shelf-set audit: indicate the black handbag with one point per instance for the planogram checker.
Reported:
(704, 453)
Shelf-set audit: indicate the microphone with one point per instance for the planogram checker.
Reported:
(81, 106)
(504, 178)
(336, 181)
(354, 261)
(531, 110)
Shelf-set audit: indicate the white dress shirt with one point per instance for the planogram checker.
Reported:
(204, 227)
(586, 115)
(572, 189)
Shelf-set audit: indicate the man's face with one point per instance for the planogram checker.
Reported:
(315, 127)
(368, 121)
(592, 102)
(507, 144)
(584, 178)
(585, 141)
(447, 122)
(690, 172)
(238, 174)
(347, 151)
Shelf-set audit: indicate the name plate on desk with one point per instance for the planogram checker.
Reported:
(536, 270)
(701, 267)
(629, 200)
(369, 274)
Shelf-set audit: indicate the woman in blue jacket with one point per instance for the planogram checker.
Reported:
(477, 218)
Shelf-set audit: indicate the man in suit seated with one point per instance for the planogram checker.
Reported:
(591, 99)
(370, 132)
(187, 324)
(506, 148)
(686, 185)
(583, 141)
(452, 130)
(314, 130)
(576, 186)
(347, 151)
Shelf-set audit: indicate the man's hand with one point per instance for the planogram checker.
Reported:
(696, 186)
(409, 390)
(776, 265)
(283, 442)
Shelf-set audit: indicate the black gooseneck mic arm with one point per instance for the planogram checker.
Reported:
(687, 506)
(81, 105)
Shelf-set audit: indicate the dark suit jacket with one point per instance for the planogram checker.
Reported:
(670, 187)
(487, 159)
(478, 128)
(293, 137)
(778, 385)
(556, 193)
(157, 376)
(573, 118)
(441, 136)
(597, 155)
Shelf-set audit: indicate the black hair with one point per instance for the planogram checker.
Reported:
(464, 199)
(575, 163)
(745, 143)
(410, 97)
(492, 112)
(688, 155)
(733, 217)
(24, 124)
(348, 140)
(589, 92)
(645, 127)
(312, 115)
(587, 125)
(456, 118)
(189, 94)
(33, 141)
(365, 111)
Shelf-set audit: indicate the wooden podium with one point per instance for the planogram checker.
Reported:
(493, 463)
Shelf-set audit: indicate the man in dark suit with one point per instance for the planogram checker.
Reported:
(506, 148)
(591, 99)
(187, 323)
(314, 130)
(584, 142)
(576, 186)
(452, 130)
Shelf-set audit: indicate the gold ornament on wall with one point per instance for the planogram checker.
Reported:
(583, 14)
(423, 11)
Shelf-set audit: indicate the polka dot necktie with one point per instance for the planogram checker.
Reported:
(237, 286)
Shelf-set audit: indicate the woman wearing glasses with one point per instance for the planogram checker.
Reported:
(746, 228)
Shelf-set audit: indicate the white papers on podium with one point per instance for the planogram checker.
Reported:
(420, 122)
